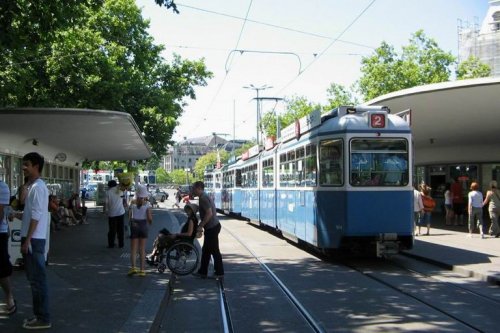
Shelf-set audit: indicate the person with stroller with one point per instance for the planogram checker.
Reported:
(140, 217)
(165, 239)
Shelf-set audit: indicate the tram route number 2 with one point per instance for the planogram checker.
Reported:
(377, 120)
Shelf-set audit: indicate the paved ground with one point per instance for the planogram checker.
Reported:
(90, 292)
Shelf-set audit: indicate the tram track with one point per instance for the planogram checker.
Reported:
(270, 282)
(301, 309)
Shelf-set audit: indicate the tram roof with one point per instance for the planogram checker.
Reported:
(451, 121)
(78, 133)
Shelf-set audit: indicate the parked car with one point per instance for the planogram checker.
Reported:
(160, 195)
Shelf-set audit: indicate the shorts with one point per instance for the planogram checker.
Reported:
(138, 229)
(5, 265)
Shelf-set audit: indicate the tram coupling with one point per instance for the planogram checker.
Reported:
(387, 245)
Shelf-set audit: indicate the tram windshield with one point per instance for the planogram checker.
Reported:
(379, 162)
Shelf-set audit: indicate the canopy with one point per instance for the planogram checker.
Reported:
(70, 136)
(452, 122)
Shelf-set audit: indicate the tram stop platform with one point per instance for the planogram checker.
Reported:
(450, 247)
(90, 291)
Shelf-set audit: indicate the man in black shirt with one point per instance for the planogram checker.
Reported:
(210, 223)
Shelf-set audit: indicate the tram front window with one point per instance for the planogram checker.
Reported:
(379, 162)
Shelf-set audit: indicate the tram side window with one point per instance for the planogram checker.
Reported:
(310, 166)
(249, 176)
(379, 162)
(218, 180)
(268, 173)
(238, 179)
(330, 163)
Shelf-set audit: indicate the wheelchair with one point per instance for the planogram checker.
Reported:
(181, 258)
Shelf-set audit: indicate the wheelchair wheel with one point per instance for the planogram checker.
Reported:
(182, 258)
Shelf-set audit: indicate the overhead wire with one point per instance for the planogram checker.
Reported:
(274, 26)
(334, 40)
(207, 110)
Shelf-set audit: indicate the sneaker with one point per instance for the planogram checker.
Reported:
(218, 277)
(132, 271)
(30, 320)
(36, 325)
(141, 273)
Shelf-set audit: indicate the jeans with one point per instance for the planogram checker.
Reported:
(211, 248)
(116, 229)
(34, 264)
(476, 214)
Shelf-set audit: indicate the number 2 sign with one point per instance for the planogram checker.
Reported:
(377, 120)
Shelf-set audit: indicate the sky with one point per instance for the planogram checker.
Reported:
(295, 48)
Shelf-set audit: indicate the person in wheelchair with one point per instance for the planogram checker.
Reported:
(165, 238)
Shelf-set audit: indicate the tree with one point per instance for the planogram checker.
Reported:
(421, 62)
(338, 95)
(93, 54)
(472, 68)
(209, 159)
(297, 107)
(162, 177)
(180, 176)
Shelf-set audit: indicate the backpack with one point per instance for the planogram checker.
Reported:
(429, 203)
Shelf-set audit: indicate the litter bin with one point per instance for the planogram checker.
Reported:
(15, 241)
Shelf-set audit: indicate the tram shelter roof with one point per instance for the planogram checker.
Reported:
(452, 122)
(80, 134)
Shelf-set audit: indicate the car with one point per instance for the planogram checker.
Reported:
(185, 190)
(160, 195)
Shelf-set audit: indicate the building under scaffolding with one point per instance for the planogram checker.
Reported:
(484, 42)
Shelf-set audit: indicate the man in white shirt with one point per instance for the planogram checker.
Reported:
(35, 219)
(116, 214)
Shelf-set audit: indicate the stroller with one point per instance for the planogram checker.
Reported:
(179, 255)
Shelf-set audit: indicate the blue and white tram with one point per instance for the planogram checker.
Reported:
(338, 181)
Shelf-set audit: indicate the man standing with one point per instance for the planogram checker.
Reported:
(34, 229)
(211, 224)
(5, 265)
(116, 214)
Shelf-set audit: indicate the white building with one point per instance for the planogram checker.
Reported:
(484, 42)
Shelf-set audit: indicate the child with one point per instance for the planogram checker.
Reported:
(475, 209)
(429, 205)
(140, 217)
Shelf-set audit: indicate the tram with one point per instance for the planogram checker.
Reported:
(337, 181)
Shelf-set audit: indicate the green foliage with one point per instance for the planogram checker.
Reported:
(209, 159)
(93, 54)
(244, 148)
(297, 107)
(421, 62)
(472, 68)
(162, 177)
(179, 176)
(339, 95)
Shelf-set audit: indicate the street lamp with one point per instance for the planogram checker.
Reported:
(257, 89)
